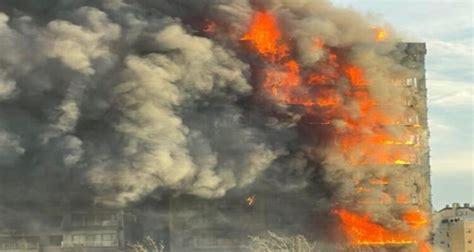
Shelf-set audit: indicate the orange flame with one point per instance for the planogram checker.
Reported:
(356, 76)
(318, 43)
(210, 26)
(380, 34)
(265, 36)
(379, 181)
(363, 139)
(402, 199)
(415, 218)
(361, 231)
(424, 247)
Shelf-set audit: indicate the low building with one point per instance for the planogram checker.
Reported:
(74, 231)
(454, 228)
(97, 231)
(10, 241)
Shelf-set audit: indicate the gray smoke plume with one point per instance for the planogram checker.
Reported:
(112, 102)
(131, 102)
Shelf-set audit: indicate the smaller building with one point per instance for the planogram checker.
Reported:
(12, 242)
(73, 231)
(454, 228)
(97, 230)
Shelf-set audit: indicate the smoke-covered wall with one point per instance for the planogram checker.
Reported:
(121, 98)
(114, 102)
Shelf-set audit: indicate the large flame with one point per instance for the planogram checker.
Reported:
(265, 36)
(363, 140)
(361, 231)
(415, 218)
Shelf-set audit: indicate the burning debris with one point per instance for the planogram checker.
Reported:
(121, 102)
(250, 200)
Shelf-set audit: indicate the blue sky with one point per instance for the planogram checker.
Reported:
(447, 28)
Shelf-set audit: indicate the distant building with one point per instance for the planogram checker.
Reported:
(76, 231)
(454, 228)
(11, 242)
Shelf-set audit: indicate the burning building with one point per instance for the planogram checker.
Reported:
(223, 225)
(238, 117)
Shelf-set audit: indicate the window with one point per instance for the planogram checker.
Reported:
(413, 158)
(108, 237)
(90, 220)
(411, 120)
(90, 238)
(411, 82)
(409, 102)
(55, 240)
(55, 221)
(77, 220)
(77, 239)
(410, 140)
(9, 245)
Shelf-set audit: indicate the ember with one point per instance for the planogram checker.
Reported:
(380, 34)
(250, 200)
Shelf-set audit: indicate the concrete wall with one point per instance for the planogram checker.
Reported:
(454, 229)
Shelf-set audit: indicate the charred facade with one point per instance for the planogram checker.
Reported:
(216, 120)
(225, 224)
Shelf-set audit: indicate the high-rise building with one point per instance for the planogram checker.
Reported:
(416, 122)
(224, 224)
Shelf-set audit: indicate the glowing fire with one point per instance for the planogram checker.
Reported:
(363, 140)
(361, 231)
(380, 34)
(210, 26)
(355, 75)
(402, 199)
(250, 200)
(424, 247)
(415, 218)
(379, 181)
(265, 36)
(318, 43)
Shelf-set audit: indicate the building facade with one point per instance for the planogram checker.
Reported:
(74, 231)
(454, 228)
(224, 225)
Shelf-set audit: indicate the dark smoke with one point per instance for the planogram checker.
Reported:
(117, 102)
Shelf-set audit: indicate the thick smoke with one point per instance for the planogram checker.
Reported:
(128, 101)
(115, 101)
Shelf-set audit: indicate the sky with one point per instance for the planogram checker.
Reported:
(447, 28)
